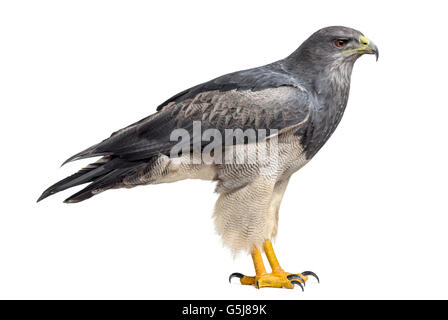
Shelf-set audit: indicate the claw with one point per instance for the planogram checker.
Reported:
(257, 284)
(311, 273)
(235, 275)
(296, 276)
(298, 283)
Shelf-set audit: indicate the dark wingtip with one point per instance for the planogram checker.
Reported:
(77, 198)
(88, 153)
(68, 160)
(82, 195)
(70, 201)
(78, 156)
(45, 194)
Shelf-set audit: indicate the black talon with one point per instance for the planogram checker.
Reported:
(235, 274)
(257, 284)
(297, 282)
(296, 276)
(311, 273)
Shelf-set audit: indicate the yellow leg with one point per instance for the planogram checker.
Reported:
(258, 265)
(258, 261)
(272, 258)
(278, 278)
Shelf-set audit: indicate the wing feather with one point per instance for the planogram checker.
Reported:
(265, 99)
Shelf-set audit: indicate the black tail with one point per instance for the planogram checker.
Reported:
(106, 173)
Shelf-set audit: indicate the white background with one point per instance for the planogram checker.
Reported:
(368, 214)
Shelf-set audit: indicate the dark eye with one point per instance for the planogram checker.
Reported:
(340, 43)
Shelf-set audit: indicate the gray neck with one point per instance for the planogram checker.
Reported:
(329, 82)
(322, 74)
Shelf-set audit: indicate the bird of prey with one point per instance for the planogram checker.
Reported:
(288, 108)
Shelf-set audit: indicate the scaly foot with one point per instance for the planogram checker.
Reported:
(276, 279)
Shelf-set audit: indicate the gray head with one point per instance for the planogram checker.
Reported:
(332, 46)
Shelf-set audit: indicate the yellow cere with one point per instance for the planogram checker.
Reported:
(364, 40)
(364, 43)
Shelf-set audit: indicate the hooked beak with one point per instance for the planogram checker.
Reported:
(369, 47)
(366, 46)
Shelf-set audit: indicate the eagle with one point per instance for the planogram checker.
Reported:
(248, 131)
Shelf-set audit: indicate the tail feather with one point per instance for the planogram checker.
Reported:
(88, 153)
(101, 184)
(104, 174)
